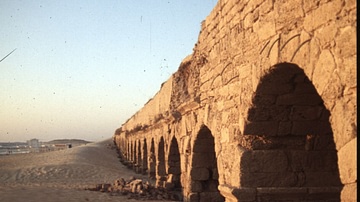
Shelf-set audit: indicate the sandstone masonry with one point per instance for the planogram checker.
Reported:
(264, 109)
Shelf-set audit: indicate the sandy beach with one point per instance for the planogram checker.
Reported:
(63, 175)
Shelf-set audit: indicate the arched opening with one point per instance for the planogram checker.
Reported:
(204, 173)
(152, 160)
(138, 163)
(289, 140)
(128, 152)
(145, 159)
(134, 156)
(161, 171)
(131, 152)
(131, 156)
(174, 171)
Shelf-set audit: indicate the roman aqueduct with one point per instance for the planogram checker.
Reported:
(264, 109)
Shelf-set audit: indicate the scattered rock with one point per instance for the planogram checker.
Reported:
(136, 189)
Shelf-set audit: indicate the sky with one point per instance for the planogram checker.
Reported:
(80, 69)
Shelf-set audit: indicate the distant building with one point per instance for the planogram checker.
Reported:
(34, 145)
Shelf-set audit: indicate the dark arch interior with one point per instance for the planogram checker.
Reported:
(131, 153)
(134, 154)
(161, 172)
(139, 158)
(289, 137)
(174, 170)
(204, 173)
(152, 160)
(145, 159)
(128, 151)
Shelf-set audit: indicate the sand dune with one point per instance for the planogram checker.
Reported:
(62, 175)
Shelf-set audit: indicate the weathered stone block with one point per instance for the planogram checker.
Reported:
(244, 194)
(284, 128)
(268, 161)
(215, 174)
(282, 179)
(269, 113)
(324, 142)
(302, 113)
(347, 162)
(200, 174)
(196, 186)
(173, 163)
(326, 34)
(211, 196)
(264, 29)
(174, 170)
(349, 192)
(266, 7)
(264, 100)
(324, 193)
(287, 12)
(305, 88)
(274, 89)
(299, 99)
(309, 5)
(160, 170)
(250, 18)
(281, 193)
(258, 114)
(346, 42)
(202, 160)
(325, 66)
(193, 197)
(268, 128)
(322, 15)
(321, 179)
(281, 190)
(344, 131)
(311, 127)
(169, 185)
(313, 161)
(211, 185)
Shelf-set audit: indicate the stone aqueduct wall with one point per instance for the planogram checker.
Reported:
(263, 110)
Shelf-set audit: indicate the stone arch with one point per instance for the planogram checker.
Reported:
(152, 160)
(288, 140)
(145, 158)
(131, 152)
(204, 173)
(160, 165)
(138, 164)
(174, 169)
(128, 151)
(134, 155)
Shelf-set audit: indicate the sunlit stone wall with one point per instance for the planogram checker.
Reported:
(263, 109)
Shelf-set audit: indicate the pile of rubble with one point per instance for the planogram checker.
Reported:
(137, 189)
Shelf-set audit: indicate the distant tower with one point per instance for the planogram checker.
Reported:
(34, 145)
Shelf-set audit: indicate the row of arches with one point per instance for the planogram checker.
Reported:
(162, 162)
(286, 144)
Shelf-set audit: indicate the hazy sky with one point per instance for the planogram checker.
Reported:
(82, 68)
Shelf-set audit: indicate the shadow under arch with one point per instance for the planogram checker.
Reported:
(160, 165)
(131, 153)
(134, 160)
(145, 158)
(152, 160)
(174, 167)
(138, 163)
(289, 140)
(204, 173)
(128, 151)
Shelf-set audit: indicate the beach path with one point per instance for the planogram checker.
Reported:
(63, 175)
